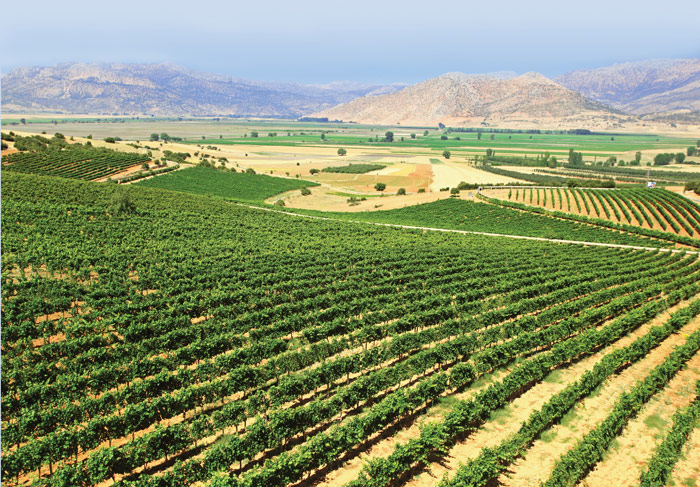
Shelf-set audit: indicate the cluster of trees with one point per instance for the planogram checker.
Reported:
(164, 137)
(666, 158)
(575, 157)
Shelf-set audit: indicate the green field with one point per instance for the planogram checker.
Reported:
(479, 217)
(223, 345)
(229, 131)
(353, 168)
(250, 188)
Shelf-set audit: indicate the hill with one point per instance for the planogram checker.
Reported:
(190, 341)
(641, 87)
(166, 89)
(462, 99)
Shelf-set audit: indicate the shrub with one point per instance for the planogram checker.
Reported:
(380, 186)
(401, 191)
(305, 191)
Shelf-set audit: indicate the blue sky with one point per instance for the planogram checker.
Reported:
(315, 41)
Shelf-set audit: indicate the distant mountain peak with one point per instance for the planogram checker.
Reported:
(642, 87)
(457, 99)
(166, 89)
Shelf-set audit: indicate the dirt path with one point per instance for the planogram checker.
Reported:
(508, 420)
(687, 470)
(539, 460)
(634, 447)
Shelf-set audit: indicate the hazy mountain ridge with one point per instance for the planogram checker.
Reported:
(458, 98)
(166, 89)
(644, 87)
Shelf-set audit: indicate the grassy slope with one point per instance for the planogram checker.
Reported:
(466, 215)
(452, 214)
(251, 188)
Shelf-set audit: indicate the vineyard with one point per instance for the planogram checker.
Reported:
(473, 216)
(86, 163)
(252, 188)
(653, 209)
(186, 340)
(353, 168)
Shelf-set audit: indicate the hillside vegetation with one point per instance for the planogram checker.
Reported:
(251, 188)
(223, 345)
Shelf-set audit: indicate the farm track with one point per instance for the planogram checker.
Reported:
(635, 446)
(687, 470)
(508, 420)
(536, 465)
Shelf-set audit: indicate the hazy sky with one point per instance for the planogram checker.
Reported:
(320, 41)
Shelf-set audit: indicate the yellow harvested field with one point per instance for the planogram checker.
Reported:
(449, 175)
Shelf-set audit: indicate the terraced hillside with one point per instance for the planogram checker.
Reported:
(186, 340)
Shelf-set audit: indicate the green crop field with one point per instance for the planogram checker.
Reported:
(165, 336)
(479, 217)
(231, 131)
(353, 168)
(252, 188)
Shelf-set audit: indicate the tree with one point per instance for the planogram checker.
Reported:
(342, 152)
(443, 137)
(305, 191)
(166, 138)
(389, 136)
(490, 153)
(478, 135)
(413, 136)
(250, 170)
(663, 159)
(638, 157)
(425, 134)
(110, 140)
(24, 122)
(253, 134)
(492, 136)
(121, 204)
(446, 154)
(314, 171)
(401, 191)
(691, 151)
(380, 186)
(323, 136)
(680, 157)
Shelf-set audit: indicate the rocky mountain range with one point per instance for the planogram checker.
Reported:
(655, 86)
(462, 99)
(166, 89)
(665, 90)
